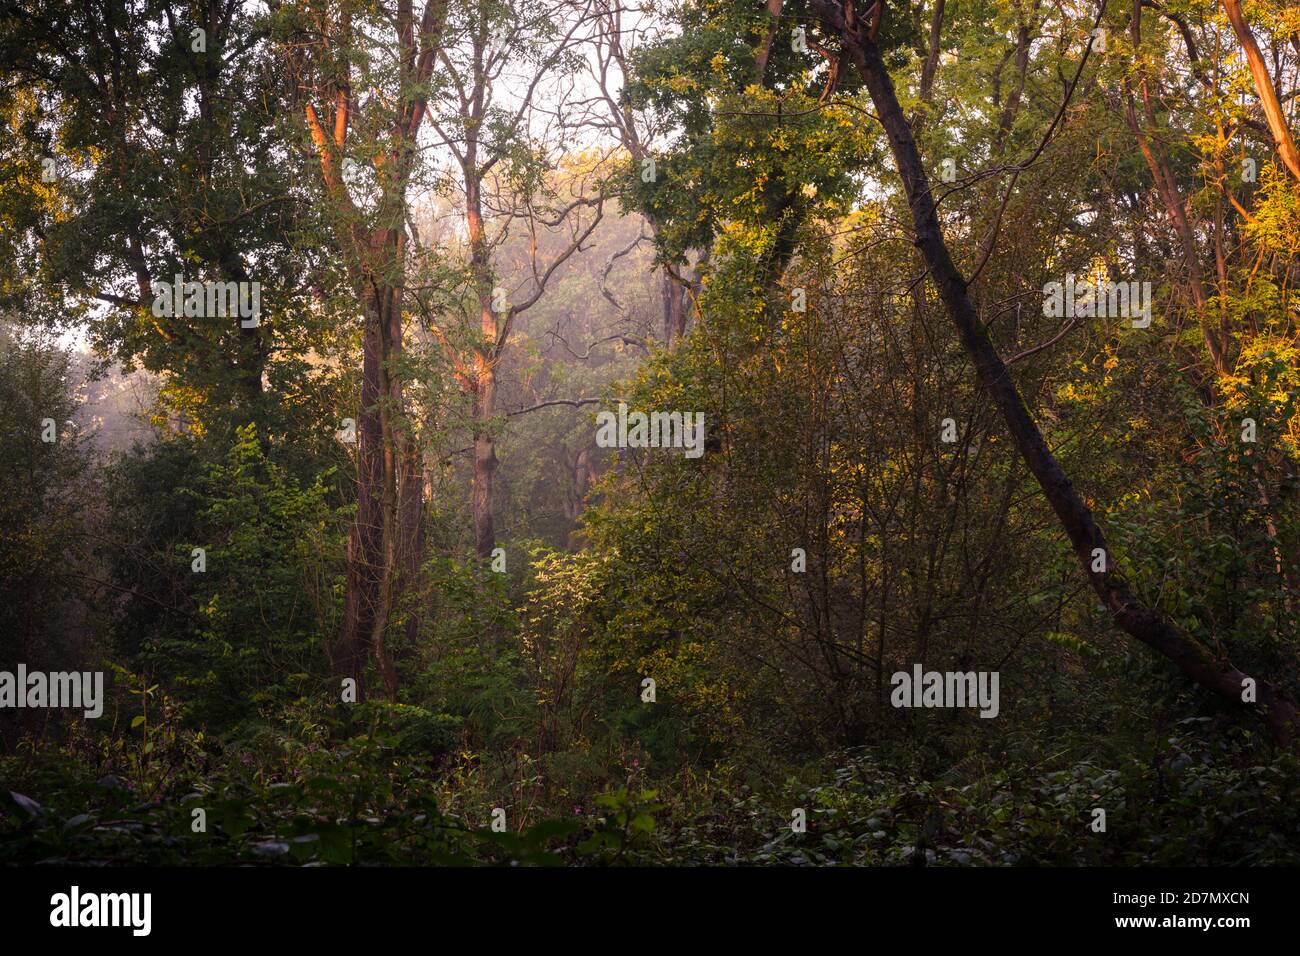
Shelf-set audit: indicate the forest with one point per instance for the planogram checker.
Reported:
(692, 433)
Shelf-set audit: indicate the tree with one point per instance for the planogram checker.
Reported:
(616, 43)
(501, 163)
(364, 79)
(858, 43)
(146, 137)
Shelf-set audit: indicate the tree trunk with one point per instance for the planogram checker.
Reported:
(1148, 626)
(1171, 197)
(365, 545)
(1286, 147)
(674, 294)
(383, 550)
(485, 458)
(383, 543)
(485, 358)
(1007, 119)
(765, 48)
(932, 52)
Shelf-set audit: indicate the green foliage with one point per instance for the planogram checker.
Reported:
(44, 507)
(1185, 801)
(250, 622)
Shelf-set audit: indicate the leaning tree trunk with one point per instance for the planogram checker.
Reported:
(1144, 623)
(1282, 139)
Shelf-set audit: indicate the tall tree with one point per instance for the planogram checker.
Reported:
(364, 78)
(505, 59)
